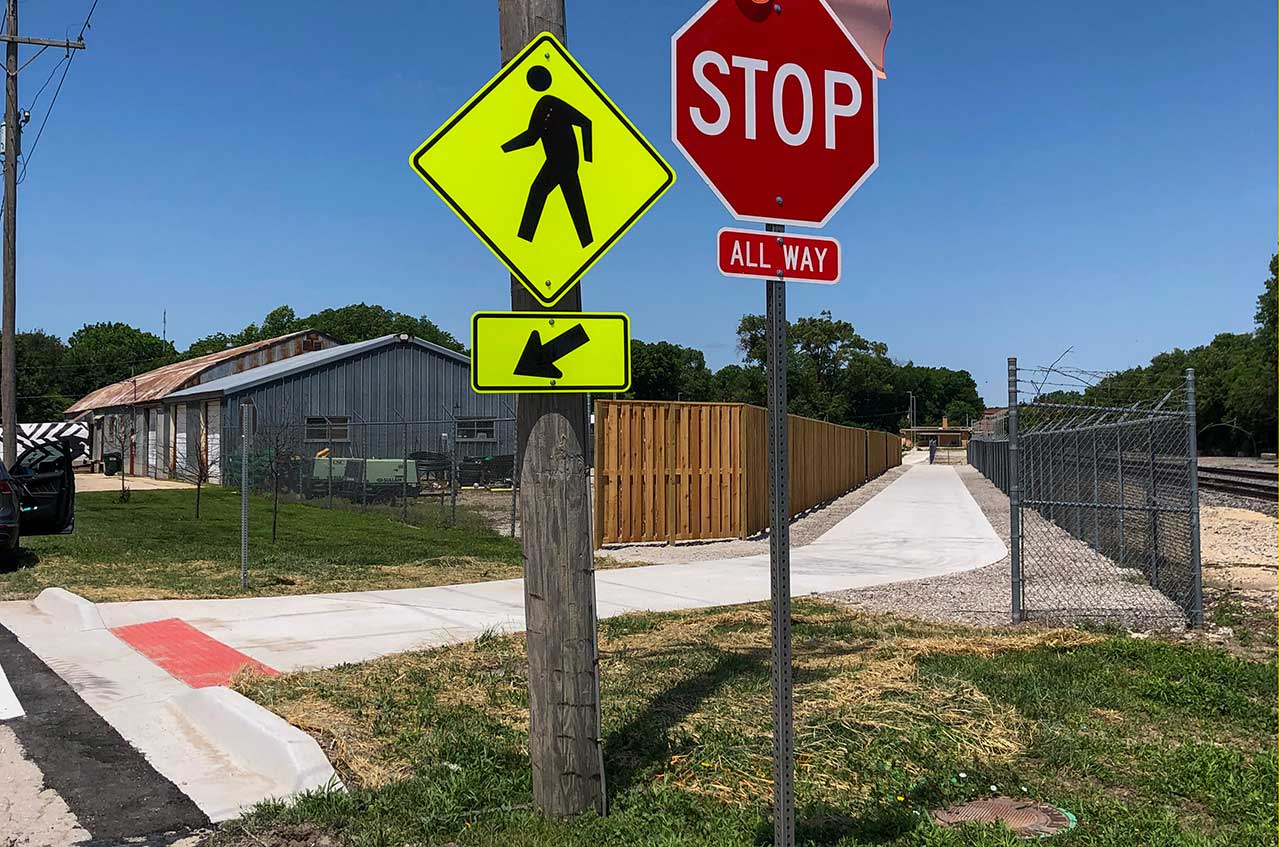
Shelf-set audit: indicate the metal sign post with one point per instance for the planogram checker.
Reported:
(784, 765)
(246, 415)
(820, 163)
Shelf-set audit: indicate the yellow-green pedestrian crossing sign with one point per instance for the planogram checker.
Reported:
(544, 168)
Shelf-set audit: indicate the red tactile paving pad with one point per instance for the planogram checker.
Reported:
(187, 653)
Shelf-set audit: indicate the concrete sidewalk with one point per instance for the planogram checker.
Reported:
(924, 524)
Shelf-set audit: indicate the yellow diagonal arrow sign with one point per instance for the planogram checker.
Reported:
(556, 352)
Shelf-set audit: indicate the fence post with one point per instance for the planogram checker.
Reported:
(1152, 525)
(1097, 505)
(453, 477)
(245, 412)
(404, 474)
(1075, 486)
(1193, 471)
(1015, 497)
(1124, 541)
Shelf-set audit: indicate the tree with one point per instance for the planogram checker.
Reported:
(960, 413)
(277, 439)
(194, 463)
(349, 324)
(666, 371)
(118, 435)
(1236, 398)
(1265, 316)
(361, 322)
(41, 376)
(835, 374)
(193, 466)
(102, 353)
(739, 384)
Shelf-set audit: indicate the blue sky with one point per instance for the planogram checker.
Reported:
(1095, 174)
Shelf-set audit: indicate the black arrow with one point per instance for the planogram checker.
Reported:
(539, 359)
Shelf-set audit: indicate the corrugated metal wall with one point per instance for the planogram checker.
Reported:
(415, 382)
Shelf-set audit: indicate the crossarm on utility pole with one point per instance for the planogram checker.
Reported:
(42, 42)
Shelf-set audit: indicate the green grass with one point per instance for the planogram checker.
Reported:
(1146, 742)
(152, 546)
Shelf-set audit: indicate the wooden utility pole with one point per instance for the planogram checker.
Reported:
(8, 335)
(12, 132)
(559, 566)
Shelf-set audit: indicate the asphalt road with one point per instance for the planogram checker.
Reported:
(68, 778)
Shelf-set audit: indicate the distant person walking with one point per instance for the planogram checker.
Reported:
(933, 449)
(552, 123)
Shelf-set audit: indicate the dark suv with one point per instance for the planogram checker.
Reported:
(38, 495)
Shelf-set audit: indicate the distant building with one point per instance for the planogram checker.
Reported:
(388, 397)
(946, 435)
(130, 417)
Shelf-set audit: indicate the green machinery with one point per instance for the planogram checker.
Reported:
(360, 479)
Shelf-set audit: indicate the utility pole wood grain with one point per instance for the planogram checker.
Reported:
(8, 333)
(559, 566)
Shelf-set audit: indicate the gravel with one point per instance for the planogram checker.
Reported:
(978, 597)
(1231, 501)
(805, 529)
(31, 815)
(981, 597)
(1251, 462)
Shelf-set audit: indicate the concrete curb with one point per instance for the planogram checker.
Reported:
(70, 610)
(257, 739)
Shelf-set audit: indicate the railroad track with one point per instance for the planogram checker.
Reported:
(1242, 482)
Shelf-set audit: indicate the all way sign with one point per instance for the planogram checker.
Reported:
(550, 352)
(776, 255)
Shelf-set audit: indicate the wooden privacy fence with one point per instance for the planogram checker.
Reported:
(683, 471)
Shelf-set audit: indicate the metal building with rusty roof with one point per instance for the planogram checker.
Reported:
(129, 417)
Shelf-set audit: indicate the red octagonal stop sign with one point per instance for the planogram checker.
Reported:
(775, 105)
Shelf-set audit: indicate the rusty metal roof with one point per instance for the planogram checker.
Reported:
(153, 385)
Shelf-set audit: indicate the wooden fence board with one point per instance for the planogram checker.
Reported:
(682, 471)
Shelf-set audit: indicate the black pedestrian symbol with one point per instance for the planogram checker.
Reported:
(552, 123)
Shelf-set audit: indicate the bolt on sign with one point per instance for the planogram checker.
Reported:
(550, 352)
(754, 254)
(544, 168)
(774, 104)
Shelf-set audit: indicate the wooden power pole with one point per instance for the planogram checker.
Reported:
(559, 566)
(12, 134)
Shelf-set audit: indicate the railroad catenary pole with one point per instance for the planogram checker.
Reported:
(559, 575)
(12, 133)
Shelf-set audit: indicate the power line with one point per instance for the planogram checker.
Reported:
(67, 59)
(26, 160)
(48, 80)
(38, 54)
(87, 18)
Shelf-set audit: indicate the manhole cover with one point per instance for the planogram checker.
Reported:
(1027, 818)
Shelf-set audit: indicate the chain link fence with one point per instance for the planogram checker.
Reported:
(425, 473)
(1104, 509)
